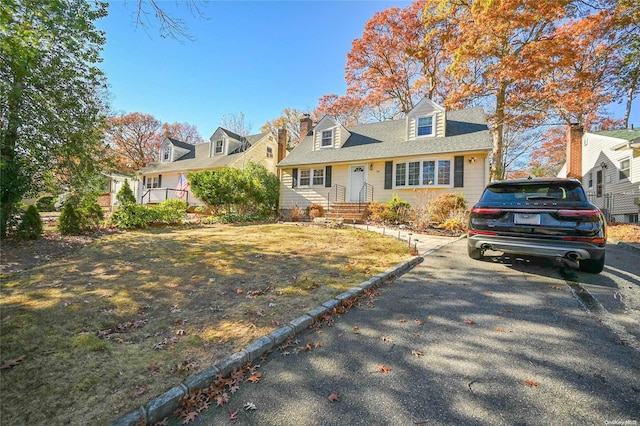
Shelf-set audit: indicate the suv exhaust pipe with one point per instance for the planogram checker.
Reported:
(571, 259)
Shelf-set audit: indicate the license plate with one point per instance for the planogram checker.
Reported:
(527, 219)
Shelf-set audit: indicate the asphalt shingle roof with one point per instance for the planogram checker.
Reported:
(624, 134)
(466, 131)
(200, 160)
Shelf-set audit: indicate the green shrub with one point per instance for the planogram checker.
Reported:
(91, 213)
(131, 216)
(31, 225)
(398, 209)
(125, 195)
(70, 221)
(46, 204)
(314, 210)
(445, 205)
(171, 211)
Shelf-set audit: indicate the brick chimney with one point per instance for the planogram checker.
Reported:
(574, 151)
(306, 125)
(282, 144)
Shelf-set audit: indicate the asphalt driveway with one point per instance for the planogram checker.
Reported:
(456, 341)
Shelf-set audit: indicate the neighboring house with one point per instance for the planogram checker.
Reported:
(112, 185)
(166, 178)
(608, 164)
(431, 151)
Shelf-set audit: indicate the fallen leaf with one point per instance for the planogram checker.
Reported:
(191, 417)
(10, 363)
(469, 321)
(255, 377)
(402, 320)
(222, 399)
(531, 383)
(249, 406)
(334, 397)
(387, 339)
(233, 415)
(416, 353)
(239, 291)
(140, 391)
(356, 329)
(181, 332)
(384, 369)
(419, 322)
(163, 422)
(500, 330)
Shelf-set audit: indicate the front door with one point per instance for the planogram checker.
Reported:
(356, 180)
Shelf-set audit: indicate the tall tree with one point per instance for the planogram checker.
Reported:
(133, 140)
(184, 132)
(50, 94)
(290, 120)
(383, 64)
(237, 123)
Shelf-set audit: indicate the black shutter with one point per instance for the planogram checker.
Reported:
(294, 178)
(388, 174)
(144, 181)
(458, 171)
(159, 181)
(327, 177)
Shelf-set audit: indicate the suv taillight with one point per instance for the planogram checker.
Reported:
(485, 210)
(579, 213)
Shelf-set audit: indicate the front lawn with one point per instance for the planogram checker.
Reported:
(99, 332)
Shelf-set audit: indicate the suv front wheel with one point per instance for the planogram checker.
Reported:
(592, 266)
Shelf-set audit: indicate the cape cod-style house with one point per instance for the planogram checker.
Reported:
(167, 177)
(430, 151)
(608, 164)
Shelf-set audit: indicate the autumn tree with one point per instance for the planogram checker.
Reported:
(183, 132)
(133, 140)
(237, 123)
(348, 110)
(382, 64)
(550, 155)
(290, 120)
(51, 95)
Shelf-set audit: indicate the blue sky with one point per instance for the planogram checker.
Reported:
(254, 57)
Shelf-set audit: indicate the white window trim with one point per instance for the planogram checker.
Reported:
(215, 147)
(311, 175)
(166, 150)
(620, 169)
(590, 179)
(152, 182)
(269, 152)
(322, 138)
(433, 126)
(421, 185)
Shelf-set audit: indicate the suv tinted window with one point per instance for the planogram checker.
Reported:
(534, 191)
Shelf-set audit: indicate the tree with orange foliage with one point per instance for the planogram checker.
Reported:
(133, 140)
(183, 132)
(394, 63)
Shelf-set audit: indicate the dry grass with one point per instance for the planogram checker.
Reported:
(626, 232)
(122, 320)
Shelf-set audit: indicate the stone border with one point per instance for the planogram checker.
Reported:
(163, 405)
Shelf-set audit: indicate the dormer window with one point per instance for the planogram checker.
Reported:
(166, 154)
(425, 126)
(327, 138)
(219, 147)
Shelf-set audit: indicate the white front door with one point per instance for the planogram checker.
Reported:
(356, 180)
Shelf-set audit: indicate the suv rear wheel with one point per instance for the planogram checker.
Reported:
(592, 266)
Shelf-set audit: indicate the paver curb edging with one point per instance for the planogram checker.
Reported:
(164, 404)
(624, 245)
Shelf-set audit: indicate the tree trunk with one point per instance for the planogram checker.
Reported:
(497, 171)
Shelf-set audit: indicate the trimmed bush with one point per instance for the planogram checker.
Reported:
(70, 221)
(125, 195)
(379, 212)
(31, 225)
(91, 213)
(46, 204)
(444, 206)
(314, 210)
(131, 216)
(399, 209)
(171, 211)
